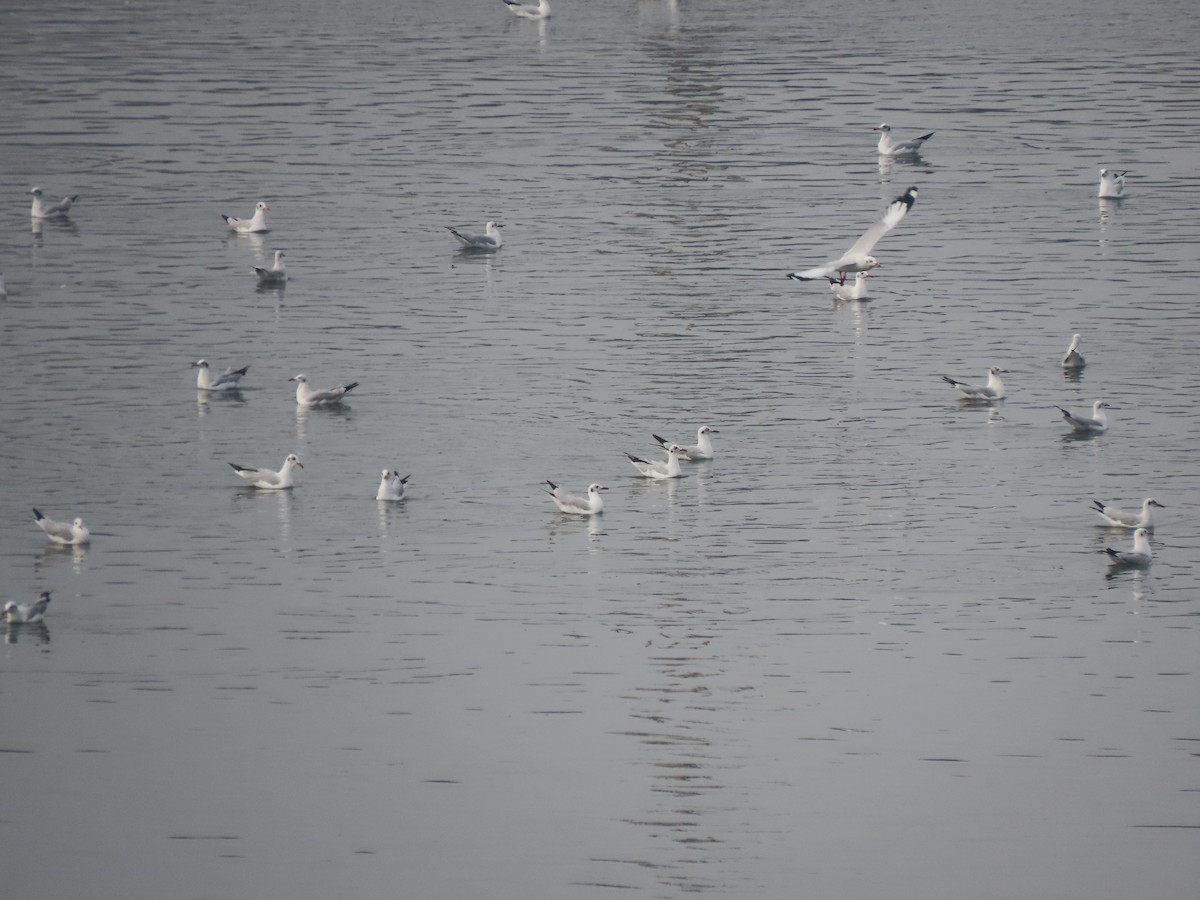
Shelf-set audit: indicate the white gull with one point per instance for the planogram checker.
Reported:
(857, 291)
(574, 504)
(66, 533)
(1140, 555)
(993, 390)
(539, 10)
(1112, 184)
(267, 480)
(890, 147)
(1097, 421)
(41, 210)
(276, 274)
(27, 613)
(1073, 359)
(255, 225)
(226, 381)
(858, 258)
(491, 239)
(702, 449)
(306, 396)
(1119, 518)
(391, 486)
(660, 469)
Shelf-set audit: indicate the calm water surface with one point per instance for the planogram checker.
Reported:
(872, 649)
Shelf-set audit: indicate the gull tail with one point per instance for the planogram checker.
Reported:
(1099, 506)
(635, 459)
(37, 514)
(950, 381)
(661, 440)
(349, 387)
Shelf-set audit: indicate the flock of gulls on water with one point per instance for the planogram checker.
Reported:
(857, 260)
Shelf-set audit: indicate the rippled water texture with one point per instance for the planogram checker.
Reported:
(872, 649)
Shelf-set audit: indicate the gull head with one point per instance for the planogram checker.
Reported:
(200, 364)
(1152, 502)
(870, 262)
(708, 430)
(596, 488)
(78, 523)
(996, 370)
(293, 460)
(261, 207)
(386, 473)
(34, 192)
(300, 378)
(884, 127)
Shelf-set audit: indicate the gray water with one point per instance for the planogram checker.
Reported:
(872, 649)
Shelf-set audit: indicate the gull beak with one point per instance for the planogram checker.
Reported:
(300, 464)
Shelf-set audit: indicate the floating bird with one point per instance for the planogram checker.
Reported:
(857, 258)
(574, 504)
(666, 468)
(306, 396)
(267, 480)
(27, 613)
(489, 240)
(993, 390)
(1139, 556)
(72, 534)
(1119, 518)
(277, 274)
(227, 381)
(540, 10)
(889, 147)
(41, 210)
(391, 486)
(1073, 358)
(703, 448)
(1097, 421)
(857, 292)
(1112, 184)
(255, 225)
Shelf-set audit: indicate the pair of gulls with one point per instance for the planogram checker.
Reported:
(43, 210)
(391, 485)
(1142, 524)
(231, 379)
(276, 273)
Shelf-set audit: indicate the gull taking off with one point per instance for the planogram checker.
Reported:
(858, 258)
(574, 504)
(72, 534)
(889, 147)
(539, 10)
(489, 240)
(703, 448)
(276, 274)
(391, 486)
(265, 479)
(1119, 518)
(667, 468)
(1097, 421)
(993, 390)
(856, 292)
(306, 396)
(27, 613)
(1073, 358)
(255, 225)
(227, 381)
(1112, 184)
(1140, 555)
(42, 210)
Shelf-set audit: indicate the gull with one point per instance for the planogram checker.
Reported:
(666, 468)
(27, 613)
(306, 396)
(850, 293)
(1073, 358)
(1140, 555)
(1112, 184)
(1097, 421)
(889, 147)
(993, 390)
(540, 10)
(391, 486)
(255, 225)
(857, 258)
(277, 274)
(268, 480)
(574, 504)
(72, 534)
(489, 240)
(42, 211)
(703, 448)
(226, 381)
(1119, 518)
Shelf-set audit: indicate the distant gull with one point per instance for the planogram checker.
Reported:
(703, 448)
(539, 10)
(1119, 518)
(227, 381)
(1073, 358)
(276, 274)
(857, 258)
(489, 240)
(27, 613)
(993, 390)
(391, 486)
(41, 210)
(1140, 555)
(306, 396)
(1112, 184)
(857, 292)
(660, 469)
(72, 534)
(574, 504)
(1097, 421)
(267, 480)
(889, 147)
(255, 225)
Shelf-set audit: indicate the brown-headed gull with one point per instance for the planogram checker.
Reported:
(986, 393)
(857, 291)
(41, 210)
(65, 533)
(491, 239)
(574, 504)
(306, 396)
(1073, 359)
(1112, 184)
(1097, 421)
(228, 380)
(391, 485)
(539, 10)
(255, 225)
(276, 274)
(1140, 555)
(27, 613)
(890, 147)
(265, 479)
(660, 469)
(1119, 518)
(702, 449)
(858, 258)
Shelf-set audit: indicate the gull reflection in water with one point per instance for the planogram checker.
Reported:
(56, 554)
(34, 631)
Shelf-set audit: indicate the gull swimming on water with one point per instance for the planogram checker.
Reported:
(255, 225)
(857, 292)
(276, 274)
(27, 613)
(889, 147)
(67, 534)
(1112, 184)
(858, 258)
(227, 381)
(540, 10)
(42, 210)
(306, 396)
(489, 240)
(391, 486)
(660, 469)
(1140, 555)
(574, 504)
(1097, 421)
(1119, 518)
(1073, 358)
(993, 390)
(267, 480)
(703, 448)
